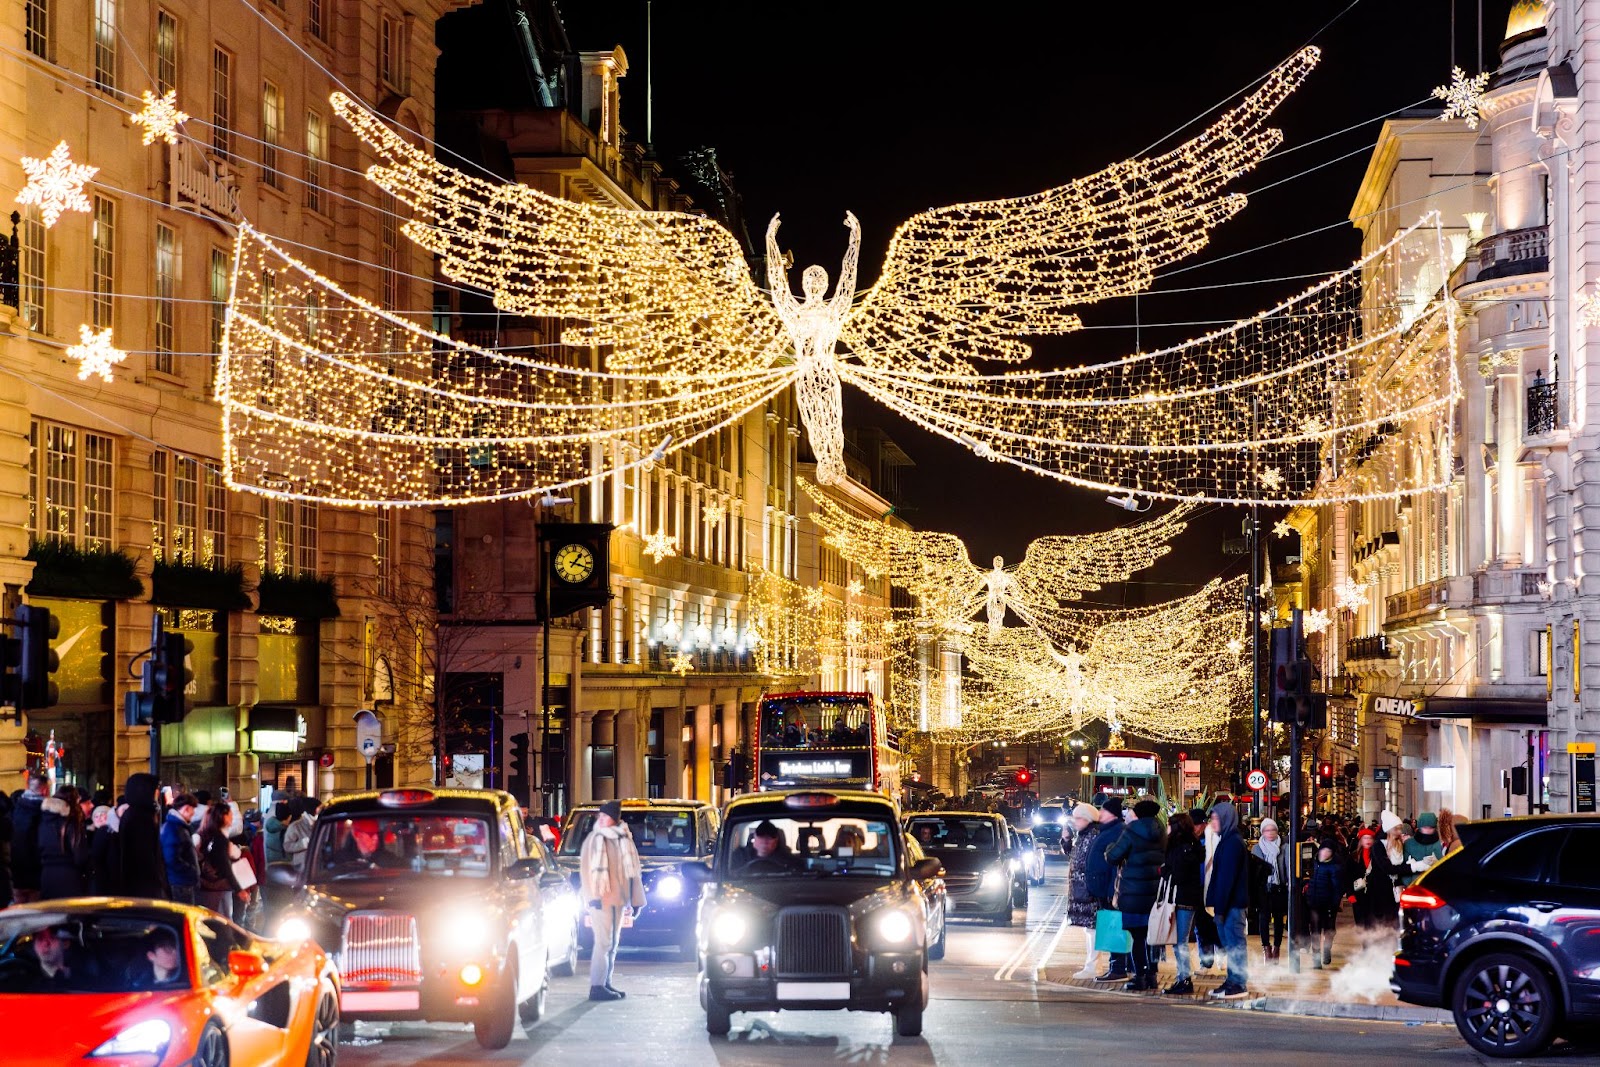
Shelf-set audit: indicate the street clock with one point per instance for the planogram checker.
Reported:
(576, 571)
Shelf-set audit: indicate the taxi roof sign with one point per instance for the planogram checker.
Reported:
(810, 800)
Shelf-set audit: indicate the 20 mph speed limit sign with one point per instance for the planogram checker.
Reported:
(1256, 779)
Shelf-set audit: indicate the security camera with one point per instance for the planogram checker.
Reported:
(1129, 502)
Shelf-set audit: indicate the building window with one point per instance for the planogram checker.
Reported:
(271, 134)
(76, 480)
(219, 297)
(38, 28)
(190, 509)
(392, 53)
(221, 102)
(383, 554)
(316, 156)
(103, 262)
(444, 560)
(166, 297)
(288, 537)
(1539, 654)
(389, 249)
(32, 270)
(317, 19)
(166, 53)
(105, 45)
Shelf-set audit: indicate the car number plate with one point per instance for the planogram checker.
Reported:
(381, 1000)
(813, 990)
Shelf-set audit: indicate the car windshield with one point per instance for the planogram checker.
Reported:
(656, 832)
(957, 834)
(854, 844)
(74, 952)
(390, 844)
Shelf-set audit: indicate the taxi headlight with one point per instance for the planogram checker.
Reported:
(994, 878)
(669, 887)
(294, 928)
(894, 925)
(149, 1038)
(465, 930)
(728, 928)
(1037, 818)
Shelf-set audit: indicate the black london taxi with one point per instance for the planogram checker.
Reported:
(812, 903)
(430, 907)
(668, 834)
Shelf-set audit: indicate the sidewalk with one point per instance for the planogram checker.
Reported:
(1355, 986)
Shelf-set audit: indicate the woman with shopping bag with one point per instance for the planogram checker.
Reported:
(1139, 853)
(1185, 860)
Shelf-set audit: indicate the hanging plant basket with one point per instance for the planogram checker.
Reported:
(65, 570)
(296, 596)
(196, 585)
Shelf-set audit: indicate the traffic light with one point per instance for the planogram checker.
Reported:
(1024, 777)
(38, 661)
(1352, 771)
(1325, 773)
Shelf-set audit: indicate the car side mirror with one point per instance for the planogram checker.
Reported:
(926, 868)
(282, 874)
(698, 873)
(246, 964)
(522, 870)
(553, 880)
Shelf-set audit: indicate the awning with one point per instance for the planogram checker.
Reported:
(1485, 710)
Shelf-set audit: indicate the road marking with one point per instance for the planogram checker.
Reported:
(1036, 937)
(1050, 953)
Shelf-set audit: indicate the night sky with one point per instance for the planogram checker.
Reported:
(887, 108)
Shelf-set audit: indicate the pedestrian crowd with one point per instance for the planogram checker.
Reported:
(1141, 882)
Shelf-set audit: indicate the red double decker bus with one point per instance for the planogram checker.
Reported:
(838, 740)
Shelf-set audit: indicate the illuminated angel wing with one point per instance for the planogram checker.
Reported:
(968, 281)
(668, 291)
(1057, 570)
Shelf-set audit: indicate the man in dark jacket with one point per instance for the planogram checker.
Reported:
(1227, 897)
(1102, 878)
(143, 868)
(1139, 850)
(25, 840)
(177, 850)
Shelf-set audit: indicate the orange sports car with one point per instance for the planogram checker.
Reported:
(145, 983)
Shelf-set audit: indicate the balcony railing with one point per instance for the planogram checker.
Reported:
(1544, 408)
(1525, 251)
(1374, 647)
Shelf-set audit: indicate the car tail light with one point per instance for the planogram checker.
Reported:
(1422, 899)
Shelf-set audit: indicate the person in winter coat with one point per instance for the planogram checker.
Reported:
(276, 823)
(177, 850)
(105, 862)
(25, 839)
(1227, 895)
(6, 831)
(1081, 904)
(1324, 893)
(1271, 888)
(297, 835)
(611, 880)
(63, 847)
(219, 887)
(1372, 880)
(1138, 855)
(143, 871)
(1183, 864)
(1424, 849)
(1102, 878)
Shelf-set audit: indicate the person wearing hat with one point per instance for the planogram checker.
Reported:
(1424, 849)
(1372, 881)
(767, 849)
(1102, 877)
(1325, 891)
(1270, 888)
(612, 882)
(1081, 904)
(1227, 895)
(1138, 855)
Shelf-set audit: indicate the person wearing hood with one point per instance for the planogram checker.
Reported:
(1270, 888)
(63, 847)
(1324, 893)
(1081, 903)
(1138, 853)
(1227, 896)
(1102, 877)
(142, 871)
(25, 839)
(277, 822)
(1372, 882)
(611, 881)
(1424, 849)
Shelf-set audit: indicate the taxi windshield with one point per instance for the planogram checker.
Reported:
(73, 952)
(393, 844)
(956, 834)
(657, 832)
(843, 844)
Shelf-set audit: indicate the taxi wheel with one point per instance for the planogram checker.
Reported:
(567, 966)
(212, 1051)
(908, 1017)
(1003, 916)
(936, 950)
(530, 1011)
(1019, 896)
(719, 1020)
(324, 1050)
(494, 1027)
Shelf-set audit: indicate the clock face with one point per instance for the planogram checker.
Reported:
(574, 563)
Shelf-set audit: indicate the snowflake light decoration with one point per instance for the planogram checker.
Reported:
(1268, 618)
(713, 514)
(1315, 621)
(95, 354)
(1281, 528)
(1588, 310)
(682, 664)
(1235, 646)
(658, 546)
(1463, 97)
(814, 598)
(1313, 426)
(55, 183)
(160, 117)
(855, 588)
(853, 630)
(1349, 595)
(1272, 478)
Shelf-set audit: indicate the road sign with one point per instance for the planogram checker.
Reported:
(1256, 779)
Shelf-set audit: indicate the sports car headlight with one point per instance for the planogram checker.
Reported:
(728, 928)
(465, 929)
(669, 887)
(294, 928)
(994, 878)
(149, 1038)
(894, 925)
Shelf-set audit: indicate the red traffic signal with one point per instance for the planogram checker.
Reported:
(1023, 777)
(1325, 770)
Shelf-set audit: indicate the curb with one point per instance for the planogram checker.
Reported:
(1281, 1005)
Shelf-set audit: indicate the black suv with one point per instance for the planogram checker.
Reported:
(431, 907)
(667, 834)
(984, 870)
(823, 909)
(1504, 933)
